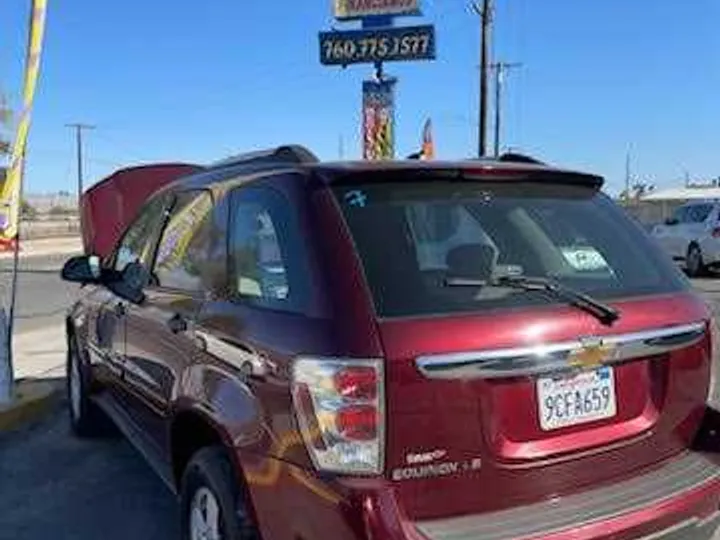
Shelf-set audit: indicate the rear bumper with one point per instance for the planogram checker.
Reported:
(677, 500)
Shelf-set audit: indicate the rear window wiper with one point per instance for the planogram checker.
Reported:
(604, 313)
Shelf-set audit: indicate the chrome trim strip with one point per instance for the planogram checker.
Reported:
(553, 357)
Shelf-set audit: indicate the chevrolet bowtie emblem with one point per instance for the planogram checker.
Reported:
(591, 354)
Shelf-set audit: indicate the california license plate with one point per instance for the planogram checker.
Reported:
(570, 399)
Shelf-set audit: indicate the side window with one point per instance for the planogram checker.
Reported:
(681, 214)
(265, 266)
(184, 244)
(138, 242)
(700, 213)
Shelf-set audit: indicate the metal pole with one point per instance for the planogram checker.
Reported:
(78, 142)
(78, 127)
(7, 376)
(13, 288)
(500, 68)
(627, 177)
(485, 23)
(498, 84)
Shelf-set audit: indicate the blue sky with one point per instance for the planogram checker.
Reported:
(195, 81)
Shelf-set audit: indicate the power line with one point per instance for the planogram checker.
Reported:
(484, 11)
(79, 127)
(500, 68)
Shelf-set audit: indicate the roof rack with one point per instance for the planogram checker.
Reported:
(282, 155)
(513, 157)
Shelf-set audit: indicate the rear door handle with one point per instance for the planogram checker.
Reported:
(177, 324)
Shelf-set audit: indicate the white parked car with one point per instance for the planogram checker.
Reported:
(692, 236)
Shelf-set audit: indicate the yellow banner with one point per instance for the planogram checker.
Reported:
(10, 191)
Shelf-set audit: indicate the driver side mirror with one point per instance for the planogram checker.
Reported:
(82, 269)
(128, 284)
(671, 221)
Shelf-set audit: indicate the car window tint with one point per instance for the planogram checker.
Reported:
(681, 214)
(265, 269)
(435, 230)
(139, 240)
(439, 229)
(183, 247)
(700, 212)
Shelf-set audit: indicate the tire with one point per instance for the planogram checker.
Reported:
(694, 261)
(86, 418)
(210, 500)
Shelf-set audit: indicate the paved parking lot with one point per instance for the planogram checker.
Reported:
(54, 486)
(710, 289)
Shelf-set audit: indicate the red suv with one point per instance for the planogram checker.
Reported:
(400, 350)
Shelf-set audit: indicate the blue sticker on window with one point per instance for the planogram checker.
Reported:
(356, 198)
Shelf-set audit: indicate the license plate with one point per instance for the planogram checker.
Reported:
(567, 400)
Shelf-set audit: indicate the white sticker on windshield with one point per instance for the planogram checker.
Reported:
(585, 259)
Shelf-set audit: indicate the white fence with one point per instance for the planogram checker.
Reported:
(50, 228)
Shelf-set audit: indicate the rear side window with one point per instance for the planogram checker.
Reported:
(267, 265)
(411, 236)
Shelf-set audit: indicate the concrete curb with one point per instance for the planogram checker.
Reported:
(65, 246)
(33, 398)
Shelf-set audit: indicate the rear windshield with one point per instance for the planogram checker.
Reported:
(411, 236)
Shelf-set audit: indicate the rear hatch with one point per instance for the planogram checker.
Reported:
(498, 396)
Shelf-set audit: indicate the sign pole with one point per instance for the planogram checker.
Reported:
(11, 192)
(377, 41)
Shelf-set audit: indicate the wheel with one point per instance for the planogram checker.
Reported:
(86, 418)
(212, 507)
(694, 261)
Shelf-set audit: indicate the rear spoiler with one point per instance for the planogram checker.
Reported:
(483, 171)
(291, 154)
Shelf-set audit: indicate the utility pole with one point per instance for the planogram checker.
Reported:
(341, 147)
(627, 176)
(484, 10)
(79, 127)
(500, 68)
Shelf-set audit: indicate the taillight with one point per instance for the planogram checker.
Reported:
(339, 405)
(713, 391)
(716, 232)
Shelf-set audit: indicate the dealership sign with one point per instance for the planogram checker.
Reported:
(359, 9)
(373, 46)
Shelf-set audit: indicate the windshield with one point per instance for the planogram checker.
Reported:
(413, 236)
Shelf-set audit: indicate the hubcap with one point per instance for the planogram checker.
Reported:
(75, 384)
(204, 516)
